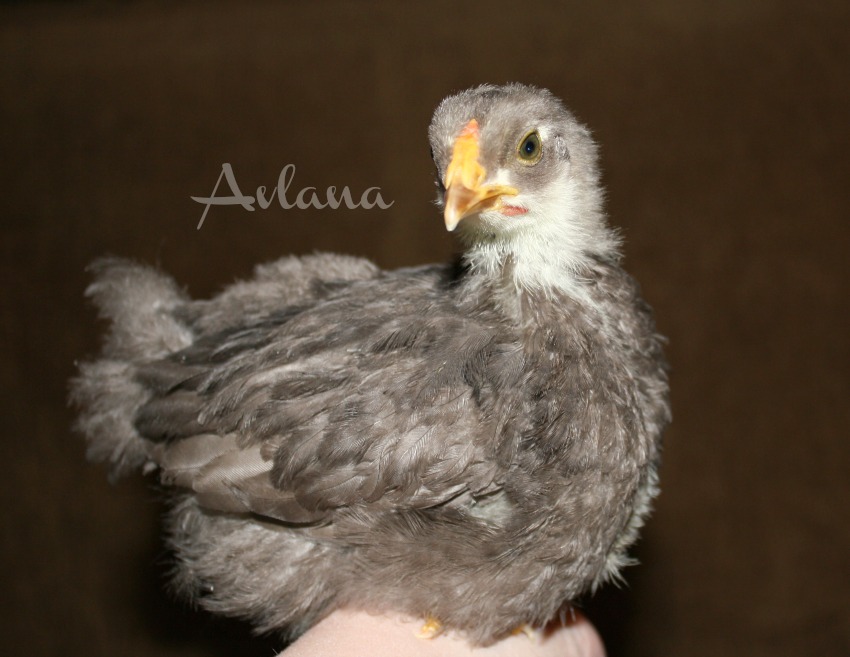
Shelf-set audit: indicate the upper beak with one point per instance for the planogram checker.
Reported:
(466, 193)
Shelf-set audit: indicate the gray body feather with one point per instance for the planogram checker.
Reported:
(402, 441)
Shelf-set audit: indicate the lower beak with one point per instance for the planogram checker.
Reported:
(466, 193)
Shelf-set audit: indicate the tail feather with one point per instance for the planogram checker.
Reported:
(140, 303)
(108, 397)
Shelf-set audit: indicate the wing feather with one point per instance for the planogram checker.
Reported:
(396, 392)
(369, 396)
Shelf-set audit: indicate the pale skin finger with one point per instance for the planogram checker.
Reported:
(348, 633)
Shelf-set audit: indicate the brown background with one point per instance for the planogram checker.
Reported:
(725, 131)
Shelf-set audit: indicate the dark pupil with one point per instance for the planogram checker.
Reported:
(529, 147)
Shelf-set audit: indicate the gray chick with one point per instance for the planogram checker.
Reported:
(474, 444)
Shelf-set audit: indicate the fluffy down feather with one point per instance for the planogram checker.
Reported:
(404, 441)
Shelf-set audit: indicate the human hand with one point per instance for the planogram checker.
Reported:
(348, 633)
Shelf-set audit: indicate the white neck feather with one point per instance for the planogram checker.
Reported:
(549, 247)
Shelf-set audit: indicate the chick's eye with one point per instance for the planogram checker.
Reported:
(529, 150)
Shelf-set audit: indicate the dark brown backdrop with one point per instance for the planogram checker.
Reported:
(725, 138)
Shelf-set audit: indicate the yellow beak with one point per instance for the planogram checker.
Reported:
(466, 193)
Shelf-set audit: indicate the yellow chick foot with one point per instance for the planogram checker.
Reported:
(526, 629)
(431, 629)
